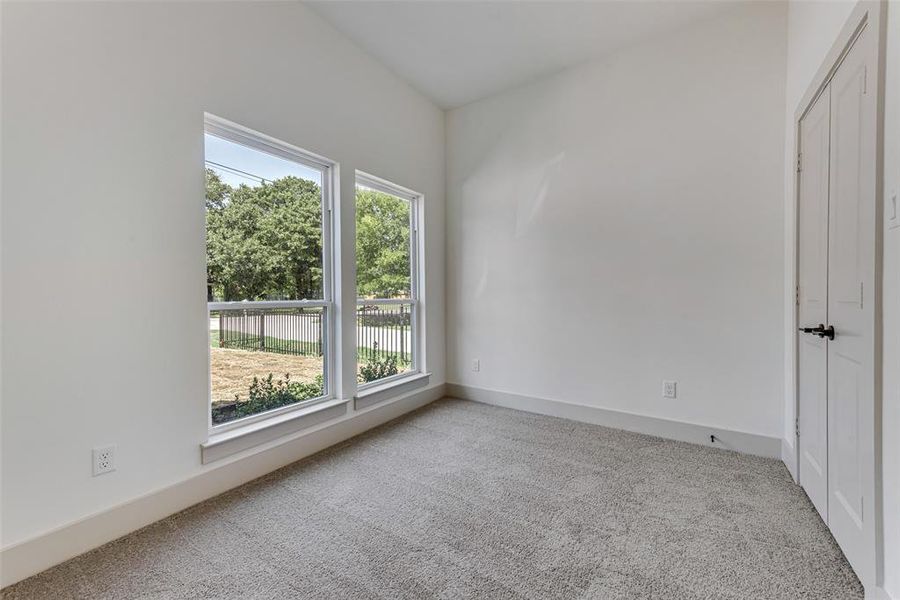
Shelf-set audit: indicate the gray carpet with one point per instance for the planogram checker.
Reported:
(463, 500)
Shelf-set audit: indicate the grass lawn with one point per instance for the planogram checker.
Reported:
(364, 355)
(274, 344)
(232, 371)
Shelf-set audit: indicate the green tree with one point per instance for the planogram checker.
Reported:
(217, 191)
(382, 245)
(263, 241)
(292, 228)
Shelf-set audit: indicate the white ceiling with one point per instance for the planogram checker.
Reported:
(456, 52)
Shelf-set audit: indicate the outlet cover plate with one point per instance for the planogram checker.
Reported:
(104, 460)
(669, 389)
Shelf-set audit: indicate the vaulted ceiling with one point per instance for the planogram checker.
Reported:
(456, 52)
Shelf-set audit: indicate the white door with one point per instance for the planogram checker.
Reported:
(812, 350)
(836, 262)
(851, 290)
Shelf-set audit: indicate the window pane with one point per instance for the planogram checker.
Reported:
(264, 359)
(383, 340)
(263, 225)
(382, 245)
(384, 331)
(264, 242)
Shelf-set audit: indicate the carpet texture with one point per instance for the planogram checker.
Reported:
(464, 500)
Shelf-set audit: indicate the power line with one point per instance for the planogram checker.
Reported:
(239, 172)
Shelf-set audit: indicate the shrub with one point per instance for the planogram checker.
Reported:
(378, 369)
(266, 394)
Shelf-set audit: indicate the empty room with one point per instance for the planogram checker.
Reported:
(435, 299)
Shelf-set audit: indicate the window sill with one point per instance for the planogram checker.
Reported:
(380, 392)
(226, 443)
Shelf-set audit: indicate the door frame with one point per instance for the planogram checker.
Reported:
(870, 13)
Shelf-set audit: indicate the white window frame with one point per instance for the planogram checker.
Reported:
(244, 136)
(416, 291)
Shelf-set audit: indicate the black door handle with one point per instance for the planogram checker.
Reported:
(828, 332)
(820, 330)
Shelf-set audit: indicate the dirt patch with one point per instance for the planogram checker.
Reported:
(232, 371)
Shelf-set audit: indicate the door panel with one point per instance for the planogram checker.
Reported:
(813, 301)
(851, 287)
(846, 374)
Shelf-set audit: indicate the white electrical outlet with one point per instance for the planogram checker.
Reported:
(476, 365)
(669, 390)
(104, 460)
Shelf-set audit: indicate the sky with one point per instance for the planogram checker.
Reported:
(256, 164)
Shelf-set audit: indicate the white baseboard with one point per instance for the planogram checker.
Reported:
(748, 443)
(32, 556)
(878, 594)
(789, 458)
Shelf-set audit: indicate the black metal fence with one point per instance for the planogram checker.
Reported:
(384, 330)
(295, 331)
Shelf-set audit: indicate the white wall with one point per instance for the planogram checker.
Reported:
(621, 223)
(103, 222)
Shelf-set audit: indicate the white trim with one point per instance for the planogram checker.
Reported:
(263, 304)
(229, 130)
(21, 560)
(417, 274)
(385, 301)
(727, 439)
(421, 293)
(387, 382)
(275, 415)
(378, 184)
(878, 593)
(787, 457)
(390, 387)
(331, 329)
(236, 439)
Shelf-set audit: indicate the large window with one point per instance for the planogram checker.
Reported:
(387, 281)
(268, 274)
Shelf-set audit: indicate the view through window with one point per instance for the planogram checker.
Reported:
(266, 276)
(386, 281)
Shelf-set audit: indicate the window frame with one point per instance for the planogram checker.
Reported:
(238, 134)
(415, 301)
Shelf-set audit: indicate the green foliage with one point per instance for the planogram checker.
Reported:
(374, 370)
(382, 245)
(265, 241)
(268, 394)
